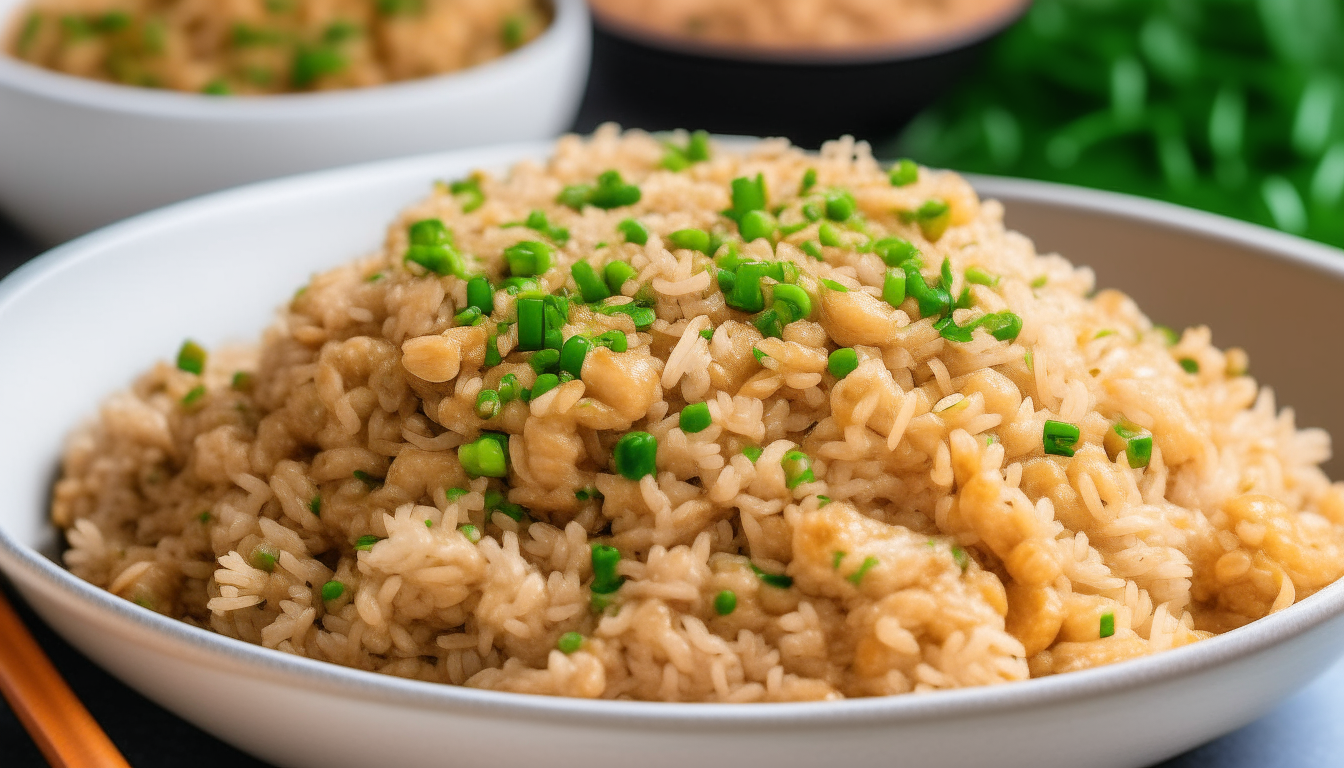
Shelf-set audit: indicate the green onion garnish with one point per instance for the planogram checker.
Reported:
(725, 602)
(531, 324)
(481, 294)
(1107, 627)
(795, 299)
(979, 276)
(485, 457)
(528, 258)
(1058, 438)
(468, 192)
(605, 580)
(755, 225)
(842, 362)
(612, 192)
(797, 469)
(264, 558)
(642, 317)
(544, 383)
(961, 558)
(809, 181)
(840, 205)
(371, 482)
(193, 395)
(1189, 364)
(191, 357)
(836, 558)
(453, 494)
(868, 564)
(752, 453)
(777, 580)
(635, 455)
(332, 590)
(488, 403)
(365, 543)
(569, 642)
(634, 232)
(695, 418)
(315, 506)
(613, 340)
(748, 195)
(471, 532)
(692, 239)
(573, 353)
(893, 287)
(904, 173)
(616, 274)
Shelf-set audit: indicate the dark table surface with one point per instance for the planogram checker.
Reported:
(1305, 731)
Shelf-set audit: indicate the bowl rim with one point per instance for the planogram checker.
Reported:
(570, 21)
(803, 56)
(29, 568)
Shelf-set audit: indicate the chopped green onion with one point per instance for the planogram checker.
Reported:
(811, 248)
(642, 317)
(635, 455)
(191, 357)
(979, 276)
(695, 418)
(485, 457)
(752, 453)
(796, 299)
(692, 239)
(948, 329)
(797, 469)
(574, 196)
(613, 340)
(904, 173)
(531, 324)
(837, 557)
(544, 383)
(748, 195)
(481, 295)
(315, 506)
(634, 232)
(746, 293)
(471, 532)
(453, 494)
(1107, 624)
(933, 300)
(616, 274)
(1004, 326)
(842, 362)
(528, 258)
(895, 251)
(612, 192)
(573, 354)
(605, 580)
(366, 542)
(840, 205)
(488, 404)
(508, 387)
(828, 235)
(1058, 438)
(835, 286)
(933, 218)
(545, 361)
(467, 316)
(758, 354)
(813, 210)
(961, 558)
(755, 225)
(569, 642)
(769, 324)
(468, 192)
(1139, 451)
(1040, 281)
(332, 590)
(707, 334)
(512, 31)
(193, 395)
(371, 482)
(893, 287)
(809, 181)
(264, 558)
(777, 580)
(1189, 364)
(823, 501)
(869, 563)
(725, 602)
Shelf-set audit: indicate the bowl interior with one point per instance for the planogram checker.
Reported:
(84, 319)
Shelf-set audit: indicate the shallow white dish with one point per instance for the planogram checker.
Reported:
(76, 154)
(86, 317)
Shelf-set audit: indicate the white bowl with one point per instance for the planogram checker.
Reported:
(82, 320)
(76, 154)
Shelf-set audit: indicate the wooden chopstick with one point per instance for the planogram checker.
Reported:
(62, 728)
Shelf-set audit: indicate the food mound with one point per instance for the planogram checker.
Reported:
(269, 46)
(659, 421)
(814, 24)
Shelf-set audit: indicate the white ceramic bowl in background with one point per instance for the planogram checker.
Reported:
(76, 154)
(84, 319)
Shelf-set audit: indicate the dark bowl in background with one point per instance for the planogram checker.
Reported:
(659, 82)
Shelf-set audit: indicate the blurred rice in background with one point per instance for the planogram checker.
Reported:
(1231, 106)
